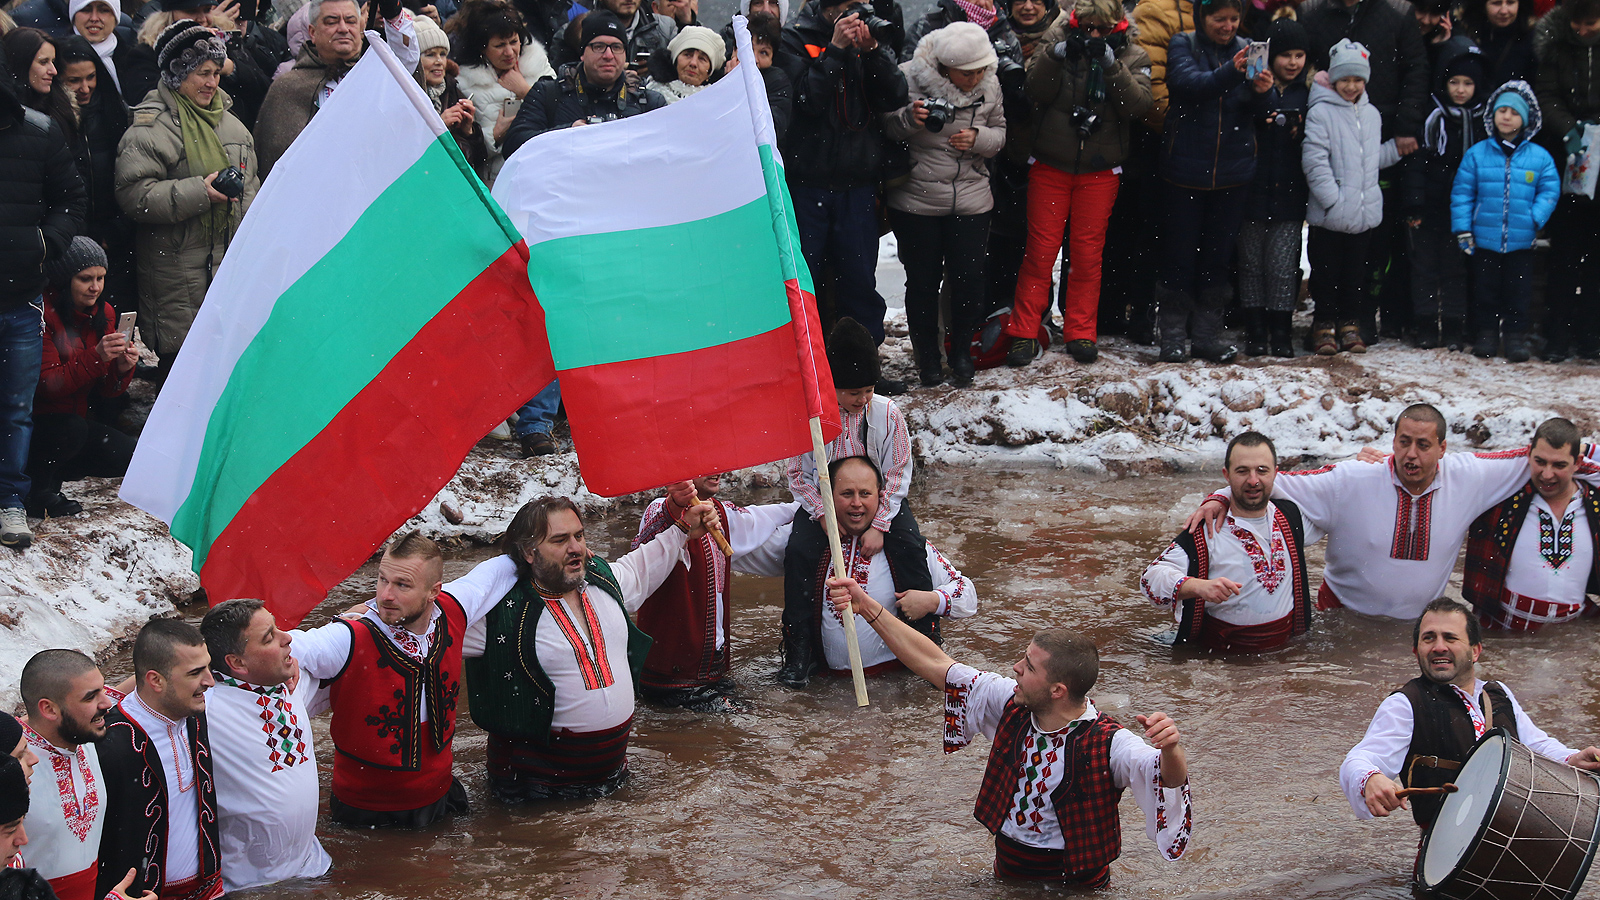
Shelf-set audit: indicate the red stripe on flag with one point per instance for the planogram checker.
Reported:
(816, 376)
(647, 422)
(386, 454)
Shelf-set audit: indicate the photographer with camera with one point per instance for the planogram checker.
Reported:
(253, 54)
(587, 92)
(1090, 83)
(840, 57)
(954, 124)
(186, 173)
(983, 13)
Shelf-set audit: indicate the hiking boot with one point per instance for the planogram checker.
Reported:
(1083, 350)
(1280, 331)
(1486, 344)
(1255, 331)
(1023, 351)
(1517, 348)
(1324, 342)
(55, 506)
(14, 531)
(1350, 338)
(961, 371)
(537, 444)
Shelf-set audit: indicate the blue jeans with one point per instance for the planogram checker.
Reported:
(841, 227)
(21, 346)
(537, 415)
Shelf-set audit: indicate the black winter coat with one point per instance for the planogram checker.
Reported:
(546, 21)
(1278, 191)
(1507, 56)
(557, 102)
(1388, 29)
(41, 198)
(836, 138)
(1000, 33)
(1209, 140)
(1569, 80)
(1430, 173)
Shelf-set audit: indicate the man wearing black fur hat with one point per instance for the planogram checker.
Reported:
(592, 88)
(872, 427)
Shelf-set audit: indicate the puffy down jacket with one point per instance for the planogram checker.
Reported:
(1503, 197)
(1341, 158)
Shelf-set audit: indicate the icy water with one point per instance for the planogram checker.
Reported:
(806, 796)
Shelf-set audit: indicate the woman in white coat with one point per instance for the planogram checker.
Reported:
(499, 63)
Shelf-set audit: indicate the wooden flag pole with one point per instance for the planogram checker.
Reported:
(830, 521)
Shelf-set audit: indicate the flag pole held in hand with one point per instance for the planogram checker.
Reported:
(831, 523)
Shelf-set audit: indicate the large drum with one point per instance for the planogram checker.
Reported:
(1519, 826)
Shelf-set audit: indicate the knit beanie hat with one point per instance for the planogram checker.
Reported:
(960, 45)
(76, 6)
(10, 737)
(1515, 101)
(82, 253)
(703, 39)
(1106, 12)
(783, 10)
(1348, 59)
(852, 355)
(602, 22)
(182, 47)
(13, 790)
(1285, 35)
(429, 35)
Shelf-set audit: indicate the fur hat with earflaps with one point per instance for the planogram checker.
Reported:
(852, 355)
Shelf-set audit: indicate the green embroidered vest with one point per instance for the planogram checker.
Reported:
(510, 696)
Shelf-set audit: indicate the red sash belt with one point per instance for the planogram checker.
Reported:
(78, 886)
(200, 887)
(1325, 598)
(1013, 859)
(1519, 613)
(572, 757)
(1219, 636)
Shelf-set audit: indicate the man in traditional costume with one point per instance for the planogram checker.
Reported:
(67, 701)
(161, 799)
(1243, 587)
(554, 663)
(265, 763)
(689, 615)
(1417, 506)
(858, 495)
(1421, 733)
(1521, 578)
(1047, 827)
(395, 674)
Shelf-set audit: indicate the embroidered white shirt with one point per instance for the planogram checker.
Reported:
(1267, 594)
(171, 741)
(66, 809)
(1544, 539)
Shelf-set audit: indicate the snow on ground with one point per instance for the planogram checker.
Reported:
(94, 578)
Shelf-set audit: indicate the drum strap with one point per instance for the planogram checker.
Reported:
(1432, 762)
(1488, 710)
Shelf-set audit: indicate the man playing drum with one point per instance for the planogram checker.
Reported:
(1422, 732)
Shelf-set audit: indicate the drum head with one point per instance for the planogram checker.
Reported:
(1465, 812)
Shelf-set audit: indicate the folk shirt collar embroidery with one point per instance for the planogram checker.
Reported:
(1270, 567)
(286, 745)
(1479, 726)
(79, 813)
(411, 644)
(177, 734)
(1044, 753)
(1555, 544)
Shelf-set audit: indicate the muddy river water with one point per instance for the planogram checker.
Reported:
(805, 796)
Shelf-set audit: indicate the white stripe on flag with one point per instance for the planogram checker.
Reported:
(643, 171)
(755, 87)
(369, 133)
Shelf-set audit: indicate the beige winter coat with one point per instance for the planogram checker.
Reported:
(176, 253)
(946, 181)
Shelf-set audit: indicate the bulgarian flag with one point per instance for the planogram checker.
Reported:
(372, 321)
(681, 318)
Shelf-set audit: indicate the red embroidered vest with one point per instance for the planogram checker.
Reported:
(389, 760)
(1085, 801)
(682, 618)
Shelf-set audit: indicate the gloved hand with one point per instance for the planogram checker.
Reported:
(1575, 139)
(1467, 243)
(389, 9)
(1097, 48)
(1067, 50)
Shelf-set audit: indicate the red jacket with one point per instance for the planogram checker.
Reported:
(72, 367)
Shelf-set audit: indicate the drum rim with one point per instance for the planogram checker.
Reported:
(1483, 826)
(1594, 844)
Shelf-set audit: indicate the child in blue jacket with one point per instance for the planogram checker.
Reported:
(1504, 192)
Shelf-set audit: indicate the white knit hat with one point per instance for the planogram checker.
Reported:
(783, 10)
(1348, 59)
(960, 45)
(703, 39)
(76, 6)
(429, 35)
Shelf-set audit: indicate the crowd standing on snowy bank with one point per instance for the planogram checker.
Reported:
(1168, 153)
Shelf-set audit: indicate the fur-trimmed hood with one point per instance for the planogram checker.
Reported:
(1535, 116)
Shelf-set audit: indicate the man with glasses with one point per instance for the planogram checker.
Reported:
(587, 92)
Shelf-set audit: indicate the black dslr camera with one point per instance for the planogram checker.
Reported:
(229, 183)
(939, 112)
(1085, 120)
(879, 26)
(1291, 119)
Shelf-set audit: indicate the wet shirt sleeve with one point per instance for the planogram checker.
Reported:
(1168, 815)
(958, 598)
(973, 702)
(1383, 749)
(1161, 581)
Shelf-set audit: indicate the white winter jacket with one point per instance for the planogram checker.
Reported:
(1341, 157)
(489, 96)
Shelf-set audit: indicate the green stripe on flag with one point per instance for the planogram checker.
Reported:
(783, 224)
(627, 295)
(423, 240)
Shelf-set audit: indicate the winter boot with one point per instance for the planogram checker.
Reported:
(1083, 350)
(1174, 323)
(1350, 340)
(1426, 336)
(1255, 331)
(1324, 341)
(961, 368)
(1487, 343)
(1209, 341)
(928, 369)
(1280, 330)
(1453, 335)
(1142, 324)
(1517, 348)
(799, 657)
(1023, 351)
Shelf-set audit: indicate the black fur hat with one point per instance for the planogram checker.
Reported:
(853, 355)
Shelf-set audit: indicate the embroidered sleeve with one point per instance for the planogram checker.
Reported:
(1160, 582)
(958, 598)
(1383, 749)
(895, 461)
(803, 484)
(400, 33)
(973, 701)
(654, 521)
(1168, 813)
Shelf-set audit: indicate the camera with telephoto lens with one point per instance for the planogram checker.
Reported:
(939, 112)
(1085, 120)
(229, 183)
(1006, 69)
(879, 27)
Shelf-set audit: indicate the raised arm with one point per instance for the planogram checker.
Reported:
(919, 654)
